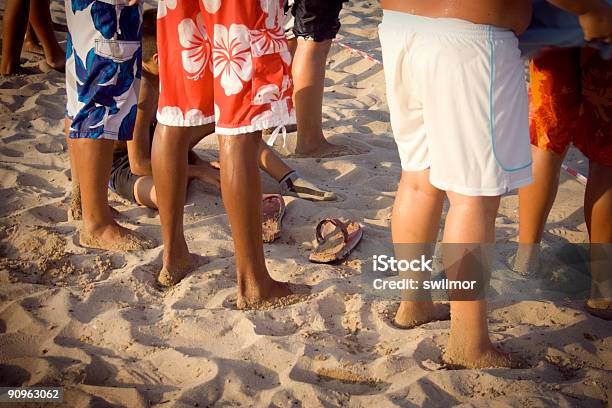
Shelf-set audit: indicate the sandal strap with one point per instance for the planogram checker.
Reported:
(286, 183)
(275, 197)
(339, 226)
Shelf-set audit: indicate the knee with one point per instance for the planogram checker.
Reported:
(417, 184)
(486, 205)
(170, 138)
(245, 146)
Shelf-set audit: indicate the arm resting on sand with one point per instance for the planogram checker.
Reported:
(139, 148)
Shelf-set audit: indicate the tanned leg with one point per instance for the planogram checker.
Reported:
(308, 82)
(241, 188)
(470, 220)
(75, 211)
(535, 202)
(597, 210)
(292, 43)
(536, 199)
(416, 219)
(271, 163)
(93, 159)
(40, 19)
(30, 42)
(169, 162)
(15, 22)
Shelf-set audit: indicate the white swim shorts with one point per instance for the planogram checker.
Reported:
(458, 102)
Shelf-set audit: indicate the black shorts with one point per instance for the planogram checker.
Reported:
(122, 180)
(316, 20)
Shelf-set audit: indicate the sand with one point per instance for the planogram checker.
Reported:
(97, 323)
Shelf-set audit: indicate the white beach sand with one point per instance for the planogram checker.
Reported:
(95, 323)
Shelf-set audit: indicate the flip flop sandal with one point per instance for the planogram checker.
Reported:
(335, 244)
(273, 208)
(293, 185)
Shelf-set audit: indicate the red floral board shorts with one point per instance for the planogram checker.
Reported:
(570, 95)
(224, 61)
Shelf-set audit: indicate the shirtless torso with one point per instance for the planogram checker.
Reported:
(514, 14)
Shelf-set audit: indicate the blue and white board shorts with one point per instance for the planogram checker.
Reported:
(103, 68)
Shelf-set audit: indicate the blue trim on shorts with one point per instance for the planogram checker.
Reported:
(491, 113)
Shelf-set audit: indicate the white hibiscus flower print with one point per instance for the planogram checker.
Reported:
(197, 49)
(173, 115)
(271, 40)
(163, 6)
(232, 57)
(212, 6)
(266, 94)
(272, 8)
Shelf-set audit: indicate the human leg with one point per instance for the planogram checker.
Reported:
(555, 103)
(469, 227)
(93, 159)
(41, 22)
(169, 163)
(98, 118)
(239, 169)
(316, 24)
(416, 220)
(597, 210)
(535, 202)
(15, 21)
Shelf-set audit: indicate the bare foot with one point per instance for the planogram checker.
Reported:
(526, 261)
(32, 47)
(326, 150)
(75, 211)
(114, 237)
(271, 295)
(458, 358)
(601, 308)
(19, 70)
(412, 314)
(173, 273)
(49, 65)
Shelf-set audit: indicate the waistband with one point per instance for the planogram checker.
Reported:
(442, 26)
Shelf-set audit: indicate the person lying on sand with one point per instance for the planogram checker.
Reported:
(458, 105)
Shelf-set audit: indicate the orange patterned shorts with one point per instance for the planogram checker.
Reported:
(223, 61)
(570, 95)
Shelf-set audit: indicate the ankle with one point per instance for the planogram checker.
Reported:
(250, 287)
(469, 348)
(310, 139)
(98, 227)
